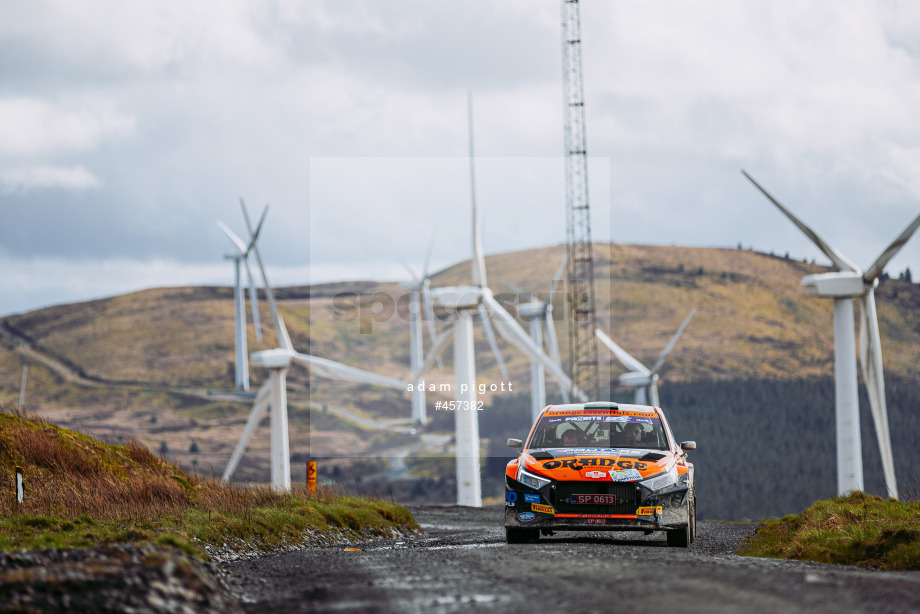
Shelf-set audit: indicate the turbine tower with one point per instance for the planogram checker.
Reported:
(582, 313)
(845, 285)
(641, 378)
(464, 301)
(241, 257)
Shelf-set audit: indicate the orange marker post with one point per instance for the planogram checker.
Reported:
(311, 476)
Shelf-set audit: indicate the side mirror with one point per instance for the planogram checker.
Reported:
(515, 443)
(688, 445)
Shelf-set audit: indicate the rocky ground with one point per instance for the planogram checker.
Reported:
(119, 578)
(126, 578)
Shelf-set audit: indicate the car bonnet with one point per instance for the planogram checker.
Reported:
(597, 464)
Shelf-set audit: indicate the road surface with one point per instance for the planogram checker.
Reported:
(462, 564)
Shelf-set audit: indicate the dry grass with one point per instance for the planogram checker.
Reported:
(80, 491)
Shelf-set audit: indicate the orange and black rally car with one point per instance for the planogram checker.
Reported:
(600, 467)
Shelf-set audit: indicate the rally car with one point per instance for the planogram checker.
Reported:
(600, 467)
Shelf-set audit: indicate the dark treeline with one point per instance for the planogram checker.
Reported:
(766, 448)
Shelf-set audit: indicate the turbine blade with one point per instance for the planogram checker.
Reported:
(337, 371)
(254, 302)
(552, 343)
(245, 214)
(255, 235)
(839, 260)
(628, 361)
(653, 394)
(255, 416)
(429, 316)
(870, 354)
(238, 242)
(411, 271)
(493, 343)
(879, 265)
(284, 340)
(428, 254)
(478, 261)
(512, 331)
(518, 290)
(673, 341)
(438, 345)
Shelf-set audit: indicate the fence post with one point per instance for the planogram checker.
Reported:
(311, 476)
(19, 485)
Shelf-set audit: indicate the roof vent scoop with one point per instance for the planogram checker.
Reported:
(602, 405)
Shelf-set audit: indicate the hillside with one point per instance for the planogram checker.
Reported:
(155, 364)
(752, 319)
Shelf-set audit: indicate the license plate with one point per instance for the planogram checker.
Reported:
(594, 499)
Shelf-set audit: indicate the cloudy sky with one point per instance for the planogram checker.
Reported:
(127, 129)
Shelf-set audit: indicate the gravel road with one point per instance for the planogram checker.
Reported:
(462, 563)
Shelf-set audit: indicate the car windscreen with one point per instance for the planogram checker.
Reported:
(588, 431)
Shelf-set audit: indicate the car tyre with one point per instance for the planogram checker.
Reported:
(520, 536)
(681, 538)
(693, 519)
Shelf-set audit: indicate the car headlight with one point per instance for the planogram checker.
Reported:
(662, 480)
(529, 479)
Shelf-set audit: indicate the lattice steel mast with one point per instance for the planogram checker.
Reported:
(581, 308)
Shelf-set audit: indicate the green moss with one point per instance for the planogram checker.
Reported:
(858, 529)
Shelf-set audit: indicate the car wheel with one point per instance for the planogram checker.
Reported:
(520, 536)
(693, 519)
(681, 538)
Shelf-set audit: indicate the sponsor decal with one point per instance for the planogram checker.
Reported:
(580, 451)
(510, 497)
(595, 474)
(648, 511)
(624, 475)
(642, 420)
(543, 509)
(532, 498)
(526, 517)
(616, 419)
(579, 463)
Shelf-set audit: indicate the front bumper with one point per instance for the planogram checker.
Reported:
(637, 509)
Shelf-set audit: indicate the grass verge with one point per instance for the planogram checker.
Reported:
(857, 529)
(81, 492)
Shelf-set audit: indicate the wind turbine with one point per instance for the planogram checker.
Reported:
(420, 300)
(273, 394)
(467, 302)
(641, 378)
(539, 315)
(241, 364)
(845, 285)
